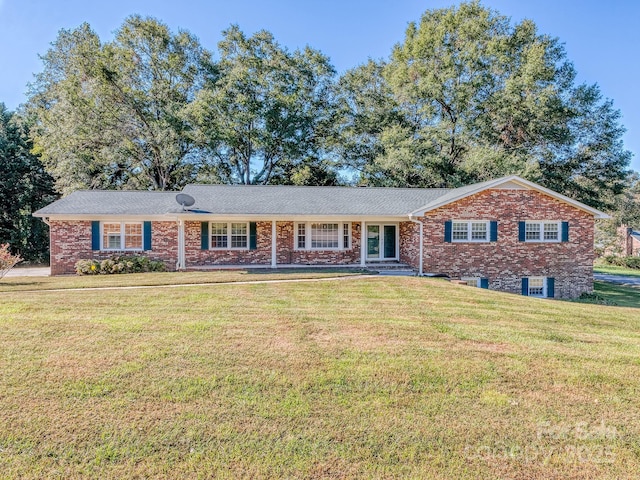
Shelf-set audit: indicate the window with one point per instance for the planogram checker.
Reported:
(346, 230)
(543, 287)
(323, 236)
(238, 235)
(122, 236)
(219, 237)
(542, 231)
(302, 237)
(537, 287)
(470, 231)
(231, 235)
(476, 282)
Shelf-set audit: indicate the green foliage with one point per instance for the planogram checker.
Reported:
(112, 115)
(469, 97)
(268, 112)
(24, 188)
(118, 264)
(7, 259)
(632, 262)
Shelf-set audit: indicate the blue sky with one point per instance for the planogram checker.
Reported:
(601, 38)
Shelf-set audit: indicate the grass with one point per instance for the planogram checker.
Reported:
(385, 377)
(17, 284)
(615, 270)
(618, 295)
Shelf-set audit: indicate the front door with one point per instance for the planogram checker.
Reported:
(381, 242)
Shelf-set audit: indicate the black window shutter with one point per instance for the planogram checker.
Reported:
(565, 231)
(253, 236)
(521, 230)
(95, 235)
(147, 235)
(204, 235)
(447, 231)
(494, 231)
(551, 287)
(525, 286)
(484, 283)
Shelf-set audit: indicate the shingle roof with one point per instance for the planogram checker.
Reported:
(103, 202)
(280, 200)
(292, 200)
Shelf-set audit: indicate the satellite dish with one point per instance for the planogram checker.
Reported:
(185, 200)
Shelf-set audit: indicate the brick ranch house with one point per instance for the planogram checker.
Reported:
(507, 234)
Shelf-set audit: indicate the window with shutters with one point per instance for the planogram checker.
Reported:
(472, 281)
(542, 231)
(469, 231)
(229, 236)
(537, 287)
(122, 236)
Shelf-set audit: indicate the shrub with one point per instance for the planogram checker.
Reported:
(118, 264)
(593, 297)
(632, 262)
(629, 262)
(7, 260)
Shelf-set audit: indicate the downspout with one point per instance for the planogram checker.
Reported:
(46, 221)
(420, 262)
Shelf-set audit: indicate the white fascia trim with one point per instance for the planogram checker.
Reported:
(513, 178)
(210, 217)
(110, 217)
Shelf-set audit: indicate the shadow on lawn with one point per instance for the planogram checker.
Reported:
(606, 293)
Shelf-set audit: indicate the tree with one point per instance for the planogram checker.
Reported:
(24, 188)
(113, 115)
(467, 97)
(269, 111)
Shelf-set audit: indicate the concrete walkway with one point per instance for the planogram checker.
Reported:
(618, 279)
(29, 272)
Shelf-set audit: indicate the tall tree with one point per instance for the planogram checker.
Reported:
(113, 115)
(474, 97)
(268, 113)
(24, 188)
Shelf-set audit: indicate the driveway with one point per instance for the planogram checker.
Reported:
(618, 279)
(29, 272)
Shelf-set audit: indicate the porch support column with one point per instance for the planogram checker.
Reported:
(180, 264)
(363, 244)
(274, 248)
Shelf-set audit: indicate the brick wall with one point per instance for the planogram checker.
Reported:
(285, 251)
(195, 256)
(506, 261)
(71, 241)
(288, 254)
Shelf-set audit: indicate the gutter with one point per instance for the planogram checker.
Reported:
(421, 260)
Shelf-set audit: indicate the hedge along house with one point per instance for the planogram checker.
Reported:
(507, 234)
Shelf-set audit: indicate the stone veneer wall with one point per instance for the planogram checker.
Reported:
(506, 261)
(71, 241)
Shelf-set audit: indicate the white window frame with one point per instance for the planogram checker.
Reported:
(469, 236)
(544, 287)
(308, 233)
(542, 224)
(477, 281)
(229, 235)
(122, 237)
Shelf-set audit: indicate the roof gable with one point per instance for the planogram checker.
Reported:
(510, 182)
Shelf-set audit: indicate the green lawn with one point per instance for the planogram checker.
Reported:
(603, 268)
(15, 284)
(383, 377)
